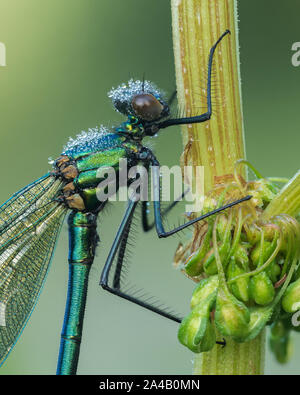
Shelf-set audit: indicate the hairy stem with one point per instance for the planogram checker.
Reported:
(218, 143)
(286, 201)
(234, 359)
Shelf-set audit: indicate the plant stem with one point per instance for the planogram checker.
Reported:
(287, 201)
(218, 143)
(234, 359)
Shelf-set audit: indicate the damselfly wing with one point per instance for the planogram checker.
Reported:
(29, 225)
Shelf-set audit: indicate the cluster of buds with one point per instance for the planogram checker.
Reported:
(246, 269)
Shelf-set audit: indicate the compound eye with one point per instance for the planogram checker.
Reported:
(147, 107)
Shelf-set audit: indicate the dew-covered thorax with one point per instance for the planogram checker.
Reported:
(94, 140)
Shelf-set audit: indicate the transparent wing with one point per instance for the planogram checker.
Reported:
(27, 238)
(24, 199)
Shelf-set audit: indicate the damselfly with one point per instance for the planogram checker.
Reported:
(31, 220)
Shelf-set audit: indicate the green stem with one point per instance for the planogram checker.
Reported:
(234, 359)
(218, 143)
(287, 201)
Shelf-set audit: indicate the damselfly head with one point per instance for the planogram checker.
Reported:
(147, 107)
(140, 99)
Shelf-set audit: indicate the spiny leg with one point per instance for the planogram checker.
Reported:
(121, 256)
(145, 222)
(121, 239)
(158, 215)
(146, 226)
(147, 156)
(122, 231)
(117, 277)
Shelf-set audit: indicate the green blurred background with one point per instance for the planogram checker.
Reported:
(62, 58)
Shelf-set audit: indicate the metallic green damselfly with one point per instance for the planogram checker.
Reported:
(31, 220)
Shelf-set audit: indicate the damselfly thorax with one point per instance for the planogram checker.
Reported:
(84, 164)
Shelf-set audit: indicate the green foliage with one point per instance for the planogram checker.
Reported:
(248, 265)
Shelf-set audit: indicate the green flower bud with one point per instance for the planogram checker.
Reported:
(224, 231)
(268, 248)
(240, 287)
(196, 330)
(205, 288)
(253, 234)
(261, 289)
(231, 316)
(270, 231)
(267, 189)
(207, 341)
(241, 256)
(194, 264)
(263, 192)
(273, 271)
(280, 341)
(291, 298)
(259, 316)
(210, 265)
